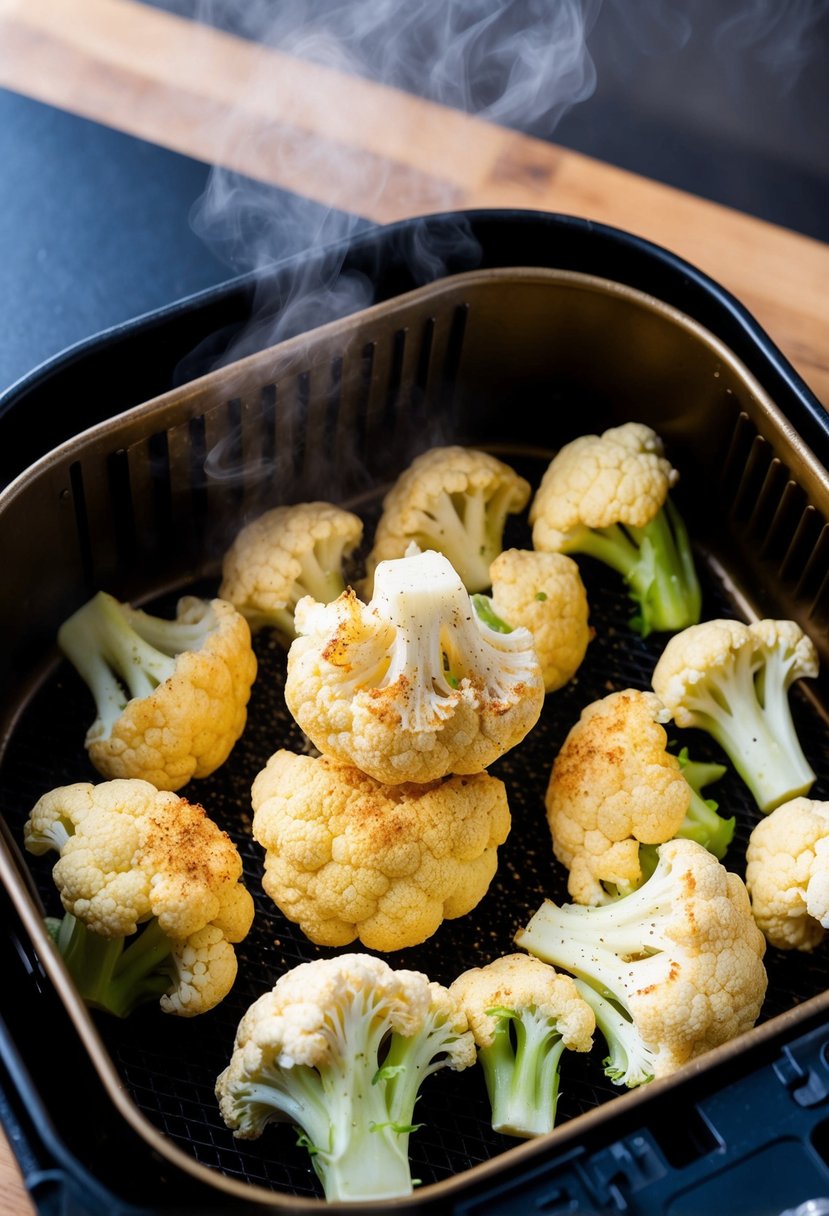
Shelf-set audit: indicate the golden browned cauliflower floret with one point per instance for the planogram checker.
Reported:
(671, 970)
(171, 696)
(523, 1015)
(153, 894)
(348, 858)
(787, 874)
(544, 593)
(412, 686)
(284, 554)
(608, 497)
(455, 500)
(615, 789)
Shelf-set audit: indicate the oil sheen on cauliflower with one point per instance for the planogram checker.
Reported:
(413, 686)
(347, 857)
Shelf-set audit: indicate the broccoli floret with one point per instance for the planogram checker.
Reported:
(339, 1048)
(731, 680)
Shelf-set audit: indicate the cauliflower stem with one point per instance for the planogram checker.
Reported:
(340, 1048)
(114, 974)
(629, 1061)
(656, 561)
(122, 652)
(521, 1068)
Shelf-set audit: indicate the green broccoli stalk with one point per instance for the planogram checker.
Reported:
(656, 562)
(731, 680)
(115, 974)
(122, 652)
(339, 1048)
(680, 957)
(629, 1061)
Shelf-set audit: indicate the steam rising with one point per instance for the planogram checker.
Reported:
(520, 64)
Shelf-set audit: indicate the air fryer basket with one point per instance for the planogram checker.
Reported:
(516, 360)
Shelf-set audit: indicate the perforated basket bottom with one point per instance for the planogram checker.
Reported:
(169, 1066)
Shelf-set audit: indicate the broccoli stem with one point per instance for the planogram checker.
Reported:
(115, 974)
(747, 711)
(122, 652)
(521, 1069)
(657, 563)
(629, 1060)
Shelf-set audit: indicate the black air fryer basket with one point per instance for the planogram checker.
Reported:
(538, 328)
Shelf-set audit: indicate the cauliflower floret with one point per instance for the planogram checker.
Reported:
(347, 857)
(677, 964)
(608, 497)
(412, 686)
(171, 696)
(523, 1015)
(455, 500)
(136, 858)
(787, 874)
(732, 681)
(340, 1048)
(615, 788)
(285, 554)
(544, 592)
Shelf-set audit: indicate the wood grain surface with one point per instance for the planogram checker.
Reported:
(352, 144)
(383, 154)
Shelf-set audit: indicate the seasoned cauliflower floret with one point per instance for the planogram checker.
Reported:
(787, 874)
(347, 857)
(615, 790)
(608, 497)
(412, 686)
(287, 553)
(455, 500)
(544, 592)
(171, 696)
(671, 970)
(732, 680)
(144, 865)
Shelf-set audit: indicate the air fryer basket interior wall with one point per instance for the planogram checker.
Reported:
(517, 360)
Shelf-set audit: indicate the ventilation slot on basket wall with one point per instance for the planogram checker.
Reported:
(781, 532)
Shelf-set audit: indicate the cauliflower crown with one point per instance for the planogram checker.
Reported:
(787, 874)
(612, 787)
(455, 500)
(620, 476)
(347, 857)
(682, 954)
(412, 686)
(517, 982)
(288, 552)
(544, 592)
